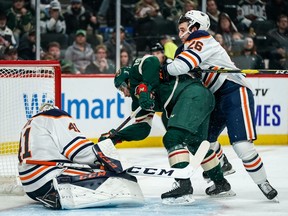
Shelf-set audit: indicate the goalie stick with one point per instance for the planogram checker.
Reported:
(183, 173)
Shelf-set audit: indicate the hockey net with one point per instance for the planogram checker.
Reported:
(24, 87)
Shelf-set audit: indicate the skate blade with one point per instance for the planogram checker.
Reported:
(208, 180)
(276, 199)
(229, 193)
(183, 200)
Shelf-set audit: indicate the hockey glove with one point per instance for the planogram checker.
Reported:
(146, 99)
(110, 135)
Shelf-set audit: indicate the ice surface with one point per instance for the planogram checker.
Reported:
(249, 200)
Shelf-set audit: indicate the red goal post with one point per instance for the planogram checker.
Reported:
(24, 86)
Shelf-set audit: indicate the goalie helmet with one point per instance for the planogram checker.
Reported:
(47, 106)
(121, 77)
(195, 16)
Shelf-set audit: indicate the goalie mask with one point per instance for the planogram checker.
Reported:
(47, 106)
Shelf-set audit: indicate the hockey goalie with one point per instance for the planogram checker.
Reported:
(52, 136)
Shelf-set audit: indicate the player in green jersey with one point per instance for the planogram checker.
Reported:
(187, 105)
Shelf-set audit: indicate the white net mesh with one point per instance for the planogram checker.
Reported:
(23, 89)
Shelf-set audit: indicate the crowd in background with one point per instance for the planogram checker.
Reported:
(81, 33)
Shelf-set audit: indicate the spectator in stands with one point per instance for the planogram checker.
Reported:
(47, 56)
(276, 7)
(10, 53)
(53, 26)
(169, 46)
(147, 9)
(44, 4)
(6, 35)
(278, 58)
(218, 37)
(101, 64)
(226, 28)
(171, 10)
(189, 5)
(67, 66)
(53, 22)
(146, 14)
(249, 59)
(103, 9)
(237, 44)
(111, 44)
(19, 19)
(213, 13)
(80, 52)
(27, 46)
(249, 11)
(78, 17)
(125, 58)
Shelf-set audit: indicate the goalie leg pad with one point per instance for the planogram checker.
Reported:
(109, 191)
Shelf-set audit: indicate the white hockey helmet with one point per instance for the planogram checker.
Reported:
(196, 16)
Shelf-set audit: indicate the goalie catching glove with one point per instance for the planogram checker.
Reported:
(145, 96)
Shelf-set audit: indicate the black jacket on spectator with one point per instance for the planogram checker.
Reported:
(27, 48)
(78, 21)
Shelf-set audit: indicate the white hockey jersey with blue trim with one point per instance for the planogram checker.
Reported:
(51, 136)
(203, 51)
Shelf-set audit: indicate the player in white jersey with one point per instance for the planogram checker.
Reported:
(52, 136)
(234, 107)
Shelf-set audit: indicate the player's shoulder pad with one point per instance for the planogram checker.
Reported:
(54, 113)
(198, 34)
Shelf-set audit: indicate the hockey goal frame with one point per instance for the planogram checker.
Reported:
(44, 63)
(9, 182)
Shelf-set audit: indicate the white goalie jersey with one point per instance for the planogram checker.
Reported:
(203, 51)
(51, 136)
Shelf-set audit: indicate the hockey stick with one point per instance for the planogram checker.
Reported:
(246, 71)
(183, 173)
(133, 114)
(135, 170)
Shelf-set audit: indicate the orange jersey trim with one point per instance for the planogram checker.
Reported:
(191, 58)
(34, 173)
(246, 111)
(75, 146)
(254, 164)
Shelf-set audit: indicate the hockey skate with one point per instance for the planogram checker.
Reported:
(181, 194)
(220, 189)
(227, 169)
(268, 191)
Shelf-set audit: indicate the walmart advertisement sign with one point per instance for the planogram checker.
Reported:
(98, 107)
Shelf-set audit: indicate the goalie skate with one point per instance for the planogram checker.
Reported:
(181, 194)
(220, 189)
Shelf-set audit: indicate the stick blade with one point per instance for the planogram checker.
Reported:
(195, 160)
